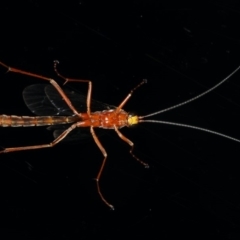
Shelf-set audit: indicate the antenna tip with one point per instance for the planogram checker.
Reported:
(144, 80)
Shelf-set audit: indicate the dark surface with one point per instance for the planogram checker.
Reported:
(192, 186)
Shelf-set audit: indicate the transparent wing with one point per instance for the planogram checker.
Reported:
(44, 100)
(37, 101)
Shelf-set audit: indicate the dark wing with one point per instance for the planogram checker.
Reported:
(44, 100)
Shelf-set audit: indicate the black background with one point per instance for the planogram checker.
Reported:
(192, 186)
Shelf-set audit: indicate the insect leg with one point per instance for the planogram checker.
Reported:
(129, 142)
(102, 166)
(52, 81)
(129, 95)
(89, 94)
(51, 144)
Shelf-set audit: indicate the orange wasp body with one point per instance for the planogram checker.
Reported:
(115, 118)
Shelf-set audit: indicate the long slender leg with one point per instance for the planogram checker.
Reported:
(125, 139)
(52, 81)
(121, 105)
(89, 94)
(102, 166)
(129, 142)
(51, 144)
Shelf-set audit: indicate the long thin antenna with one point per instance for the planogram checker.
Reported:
(194, 98)
(192, 127)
